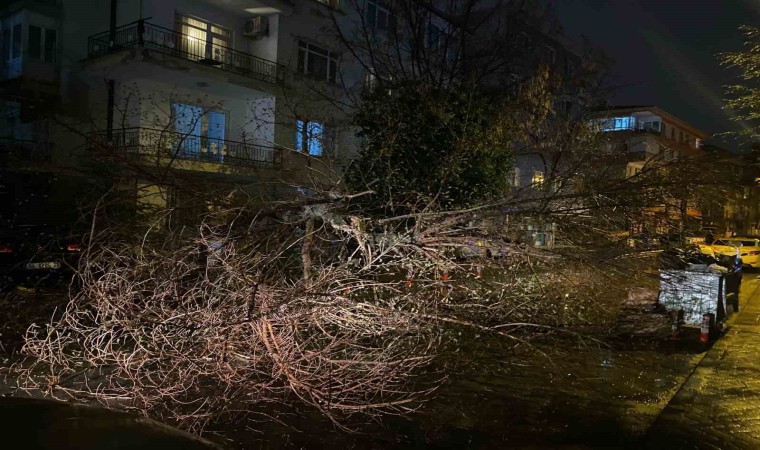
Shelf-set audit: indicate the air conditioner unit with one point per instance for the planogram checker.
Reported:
(256, 27)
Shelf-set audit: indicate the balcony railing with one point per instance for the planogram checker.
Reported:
(25, 150)
(145, 35)
(174, 145)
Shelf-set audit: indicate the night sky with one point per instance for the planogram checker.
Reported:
(665, 52)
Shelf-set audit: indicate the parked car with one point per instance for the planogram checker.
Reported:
(747, 249)
(41, 256)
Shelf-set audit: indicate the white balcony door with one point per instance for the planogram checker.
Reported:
(187, 123)
(215, 126)
(201, 133)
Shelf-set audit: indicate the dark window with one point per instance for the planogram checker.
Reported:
(441, 38)
(35, 42)
(16, 52)
(5, 48)
(379, 16)
(51, 38)
(434, 37)
(317, 62)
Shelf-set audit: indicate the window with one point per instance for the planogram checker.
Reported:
(202, 132)
(35, 42)
(41, 43)
(50, 43)
(314, 138)
(16, 42)
(672, 133)
(633, 170)
(317, 62)
(434, 37)
(516, 177)
(204, 40)
(617, 123)
(439, 38)
(379, 16)
(538, 177)
(371, 82)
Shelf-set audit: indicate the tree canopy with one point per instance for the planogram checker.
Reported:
(744, 97)
(424, 144)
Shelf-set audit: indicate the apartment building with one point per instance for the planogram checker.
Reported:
(236, 92)
(245, 92)
(647, 138)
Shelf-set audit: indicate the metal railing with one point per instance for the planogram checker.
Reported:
(175, 145)
(25, 150)
(145, 35)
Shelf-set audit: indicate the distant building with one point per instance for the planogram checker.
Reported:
(647, 138)
(737, 209)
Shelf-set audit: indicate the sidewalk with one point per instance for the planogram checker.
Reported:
(718, 406)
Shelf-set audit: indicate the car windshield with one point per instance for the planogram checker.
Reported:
(735, 243)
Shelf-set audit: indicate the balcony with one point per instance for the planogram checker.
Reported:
(629, 124)
(170, 145)
(25, 151)
(153, 37)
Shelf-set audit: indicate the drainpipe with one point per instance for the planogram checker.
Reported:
(112, 28)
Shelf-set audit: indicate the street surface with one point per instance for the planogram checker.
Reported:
(718, 406)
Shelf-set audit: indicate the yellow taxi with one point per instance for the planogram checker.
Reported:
(747, 248)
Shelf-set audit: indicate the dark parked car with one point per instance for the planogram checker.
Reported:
(38, 256)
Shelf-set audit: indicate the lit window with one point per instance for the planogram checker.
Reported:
(516, 177)
(314, 138)
(203, 40)
(616, 124)
(317, 62)
(538, 177)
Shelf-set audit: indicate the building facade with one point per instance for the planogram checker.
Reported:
(230, 93)
(645, 141)
(244, 93)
